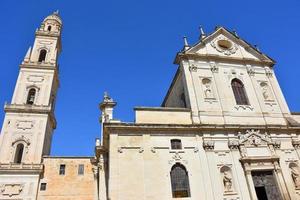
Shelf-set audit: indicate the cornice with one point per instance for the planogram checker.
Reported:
(34, 65)
(31, 109)
(193, 127)
(13, 168)
(215, 57)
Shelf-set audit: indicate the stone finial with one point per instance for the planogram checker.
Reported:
(235, 33)
(256, 47)
(202, 34)
(56, 12)
(186, 45)
(107, 98)
(107, 107)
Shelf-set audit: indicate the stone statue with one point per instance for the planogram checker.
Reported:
(266, 91)
(207, 88)
(227, 181)
(296, 176)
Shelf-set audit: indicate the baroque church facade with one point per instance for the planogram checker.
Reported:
(223, 131)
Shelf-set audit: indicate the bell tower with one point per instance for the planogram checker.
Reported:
(29, 119)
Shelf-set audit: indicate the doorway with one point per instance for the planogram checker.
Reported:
(265, 184)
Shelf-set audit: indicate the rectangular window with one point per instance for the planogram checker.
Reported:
(62, 169)
(80, 169)
(176, 144)
(43, 186)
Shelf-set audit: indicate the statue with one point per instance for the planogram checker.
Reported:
(227, 181)
(295, 175)
(208, 93)
(266, 91)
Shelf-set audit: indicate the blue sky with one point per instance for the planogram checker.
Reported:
(127, 48)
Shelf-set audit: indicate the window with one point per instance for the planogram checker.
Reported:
(49, 28)
(179, 181)
(176, 144)
(239, 92)
(42, 56)
(19, 153)
(43, 186)
(80, 169)
(31, 96)
(62, 169)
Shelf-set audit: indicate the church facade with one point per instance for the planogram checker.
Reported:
(223, 131)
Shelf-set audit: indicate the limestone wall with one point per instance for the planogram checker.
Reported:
(70, 186)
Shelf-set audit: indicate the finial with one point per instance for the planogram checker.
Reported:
(56, 12)
(235, 33)
(256, 47)
(186, 45)
(202, 34)
(107, 98)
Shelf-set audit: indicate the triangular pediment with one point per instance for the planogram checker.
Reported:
(225, 44)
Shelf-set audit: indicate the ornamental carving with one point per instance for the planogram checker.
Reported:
(295, 173)
(208, 145)
(250, 71)
(233, 144)
(254, 138)
(296, 143)
(11, 189)
(223, 45)
(24, 125)
(214, 68)
(193, 68)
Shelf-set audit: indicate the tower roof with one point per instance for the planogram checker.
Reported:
(54, 16)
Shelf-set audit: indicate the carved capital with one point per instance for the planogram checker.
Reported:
(233, 144)
(193, 68)
(277, 144)
(296, 143)
(214, 68)
(250, 71)
(268, 71)
(208, 145)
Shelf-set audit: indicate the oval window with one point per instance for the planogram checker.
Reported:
(224, 44)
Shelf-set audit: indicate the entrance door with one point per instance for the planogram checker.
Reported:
(265, 185)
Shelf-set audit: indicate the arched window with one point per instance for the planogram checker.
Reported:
(49, 28)
(239, 92)
(176, 144)
(180, 181)
(42, 56)
(31, 96)
(19, 153)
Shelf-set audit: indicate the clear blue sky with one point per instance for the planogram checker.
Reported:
(127, 48)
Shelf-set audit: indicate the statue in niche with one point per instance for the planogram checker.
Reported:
(207, 88)
(227, 181)
(295, 174)
(267, 94)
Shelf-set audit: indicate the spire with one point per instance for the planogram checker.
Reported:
(186, 45)
(202, 34)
